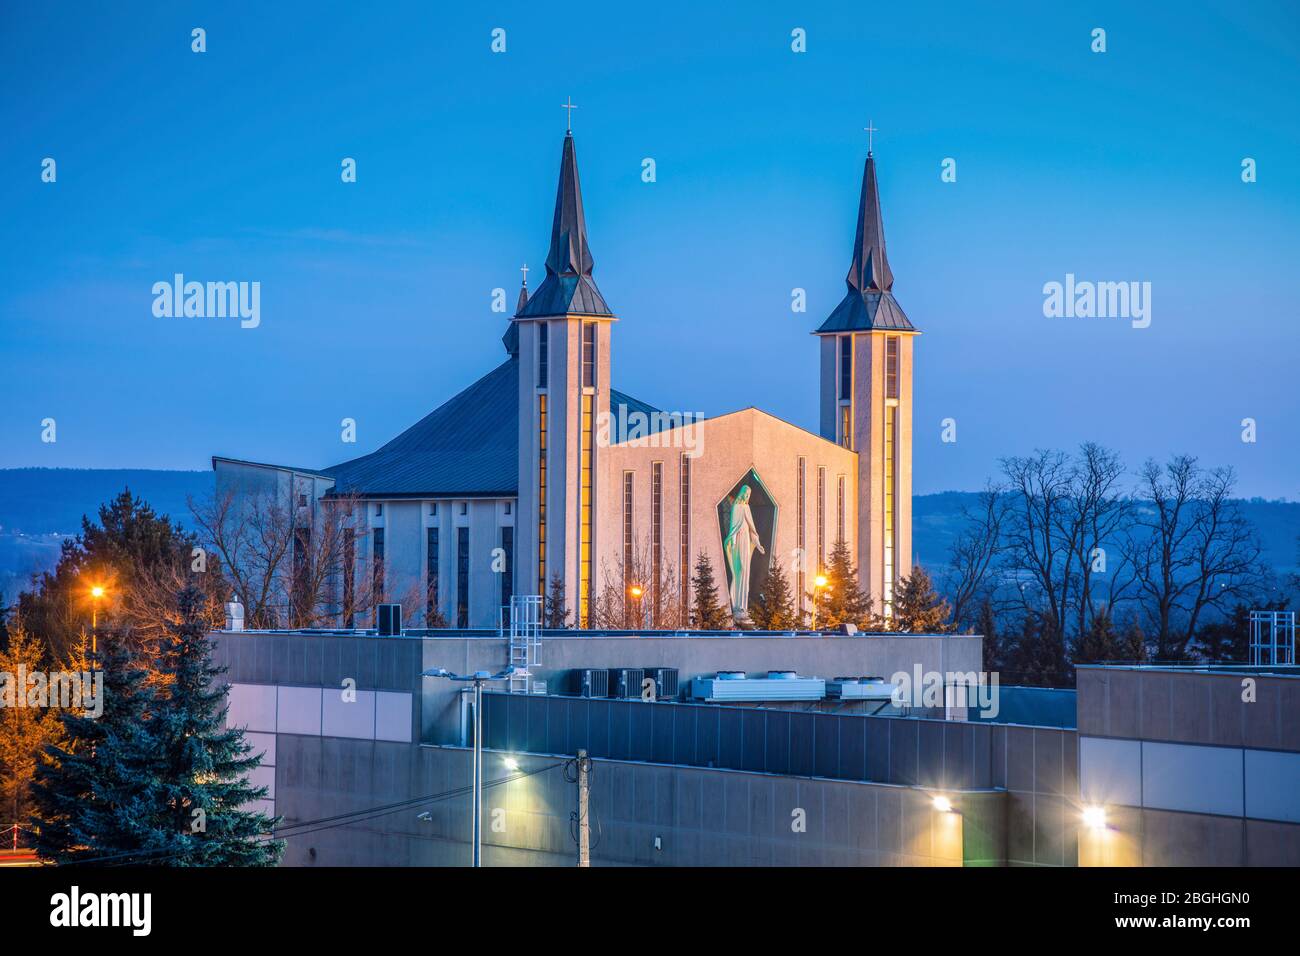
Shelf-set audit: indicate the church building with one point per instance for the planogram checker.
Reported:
(543, 472)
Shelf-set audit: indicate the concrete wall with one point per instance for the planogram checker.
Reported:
(1193, 768)
(701, 817)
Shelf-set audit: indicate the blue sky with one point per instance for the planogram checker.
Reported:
(1121, 166)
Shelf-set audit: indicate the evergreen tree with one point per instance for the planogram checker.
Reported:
(773, 608)
(201, 784)
(842, 601)
(24, 730)
(1038, 658)
(1227, 639)
(555, 615)
(92, 795)
(707, 614)
(918, 609)
(986, 625)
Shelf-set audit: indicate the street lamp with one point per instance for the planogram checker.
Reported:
(96, 592)
(478, 679)
(819, 584)
(636, 592)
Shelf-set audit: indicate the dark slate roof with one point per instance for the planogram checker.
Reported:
(568, 287)
(467, 447)
(511, 339)
(869, 303)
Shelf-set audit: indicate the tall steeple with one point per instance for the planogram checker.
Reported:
(869, 303)
(568, 288)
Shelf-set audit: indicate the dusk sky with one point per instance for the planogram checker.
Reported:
(376, 295)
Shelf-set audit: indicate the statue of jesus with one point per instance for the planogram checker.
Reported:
(738, 548)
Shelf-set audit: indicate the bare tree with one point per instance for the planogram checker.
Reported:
(635, 597)
(1192, 549)
(971, 557)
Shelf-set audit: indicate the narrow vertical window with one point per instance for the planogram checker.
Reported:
(508, 571)
(589, 355)
(846, 368)
(800, 537)
(431, 575)
(891, 366)
(586, 491)
(839, 509)
(821, 519)
(656, 532)
(684, 535)
(541, 493)
(462, 577)
(629, 576)
(889, 523)
(378, 583)
(349, 579)
(846, 426)
(543, 355)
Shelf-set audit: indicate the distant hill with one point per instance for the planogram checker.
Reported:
(38, 506)
(52, 500)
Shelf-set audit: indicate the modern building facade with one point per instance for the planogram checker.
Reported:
(542, 471)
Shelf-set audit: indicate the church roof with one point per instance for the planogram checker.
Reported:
(869, 303)
(467, 447)
(568, 287)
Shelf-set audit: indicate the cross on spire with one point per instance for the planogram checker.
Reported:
(869, 130)
(568, 105)
(525, 270)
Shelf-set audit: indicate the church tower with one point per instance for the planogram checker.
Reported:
(563, 332)
(866, 401)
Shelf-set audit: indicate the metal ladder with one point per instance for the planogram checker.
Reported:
(525, 615)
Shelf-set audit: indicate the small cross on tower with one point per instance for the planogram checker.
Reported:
(568, 105)
(525, 271)
(869, 129)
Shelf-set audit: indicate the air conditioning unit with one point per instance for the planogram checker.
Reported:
(860, 688)
(778, 685)
(625, 682)
(388, 620)
(591, 682)
(234, 616)
(665, 678)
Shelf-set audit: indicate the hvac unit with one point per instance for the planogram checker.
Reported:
(625, 682)
(860, 688)
(388, 620)
(665, 679)
(592, 682)
(777, 685)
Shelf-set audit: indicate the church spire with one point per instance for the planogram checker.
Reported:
(869, 303)
(869, 271)
(568, 287)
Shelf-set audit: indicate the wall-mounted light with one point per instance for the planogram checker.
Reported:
(511, 763)
(1094, 817)
(942, 804)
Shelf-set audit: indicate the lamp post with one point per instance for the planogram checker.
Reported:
(96, 592)
(637, 592)
(478, 679)
(819, 584)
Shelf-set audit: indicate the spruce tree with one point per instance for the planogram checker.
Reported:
(92, 795)
(707, 614)
(24, 730)
(555, 615)
(202, 787)
(918, 609)
(773, 608)
(842, 601)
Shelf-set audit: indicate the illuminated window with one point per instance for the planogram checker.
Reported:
(541, 493)
(889, 527)
(627, 531)
(846, 426)
(585, 492)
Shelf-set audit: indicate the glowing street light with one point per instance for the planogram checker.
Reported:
(1094, 818)
(478, 679)
(820, 583)
(97, 591)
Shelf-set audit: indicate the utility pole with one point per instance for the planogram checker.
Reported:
(584, 831)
